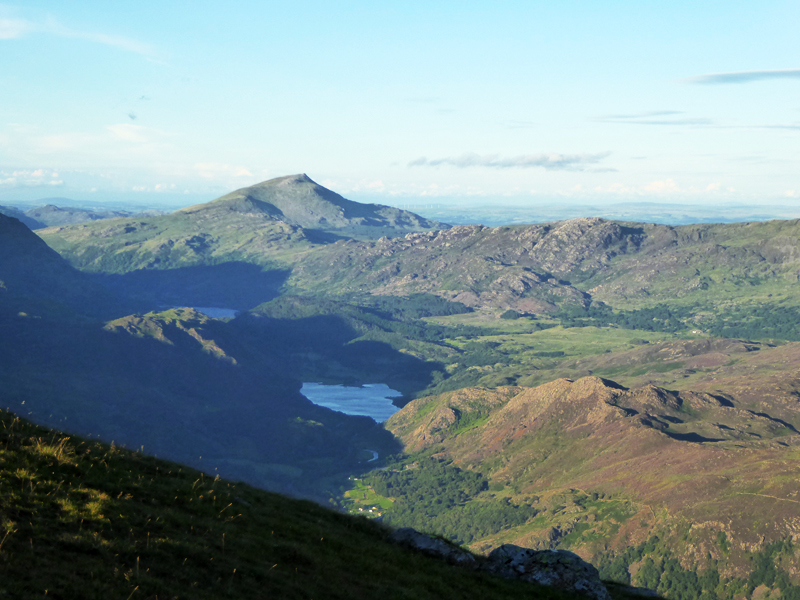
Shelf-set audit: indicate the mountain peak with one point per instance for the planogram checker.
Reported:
(298, 178)
(299, 200)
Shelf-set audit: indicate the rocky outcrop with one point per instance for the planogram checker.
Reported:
(559, 569)
(433, 546)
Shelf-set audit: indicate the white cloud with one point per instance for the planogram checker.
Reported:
(550, 162)
(659, 187)
(743, 76)
(14, 28)
(23, 178)
(18, 28)
(657, 117)
(134, 133)
(614, 188)
(220, 171)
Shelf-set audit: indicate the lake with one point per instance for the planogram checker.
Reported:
(212, 311)
(370, 400)
(217, 313)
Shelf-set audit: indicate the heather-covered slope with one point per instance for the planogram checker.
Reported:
(696, 475)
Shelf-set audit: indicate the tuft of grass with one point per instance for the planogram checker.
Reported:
(81, 519)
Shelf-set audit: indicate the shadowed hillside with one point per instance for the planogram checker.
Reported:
(81, 519)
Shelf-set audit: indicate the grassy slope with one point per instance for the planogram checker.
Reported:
(180, 239)
(80, 519)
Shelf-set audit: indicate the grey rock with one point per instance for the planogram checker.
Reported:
(556, 568)
(433, 546)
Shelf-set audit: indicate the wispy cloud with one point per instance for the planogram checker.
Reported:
(521, 124)
(135, 133)
(742, 76)
(550, 162)
(218, 171)
(790, 126)
(14, 28)
(19, 28)
(29, 178)
(657, 117)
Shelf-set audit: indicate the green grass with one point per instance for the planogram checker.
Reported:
(530, 358)
(80, 519)
(361, 498)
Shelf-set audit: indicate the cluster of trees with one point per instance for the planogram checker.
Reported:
(660, 570)
(658, 318)
(373, 315)
(415, 306)
(753, 322)
(476, 354)
(438, 497)
(758, 322)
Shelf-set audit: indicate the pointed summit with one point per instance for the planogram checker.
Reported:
(298, 200)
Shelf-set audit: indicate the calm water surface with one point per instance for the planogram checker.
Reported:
(371, 400)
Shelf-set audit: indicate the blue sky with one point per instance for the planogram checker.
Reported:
(461, 102)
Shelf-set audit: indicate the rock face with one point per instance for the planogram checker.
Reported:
(560, 569)
(433, 546)
(556, 568)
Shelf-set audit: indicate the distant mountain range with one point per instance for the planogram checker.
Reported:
(51, 215)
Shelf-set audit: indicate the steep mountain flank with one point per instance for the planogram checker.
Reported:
(181, 239)
(34, 278)
(83, 519)
(689, 467)
(16, 213)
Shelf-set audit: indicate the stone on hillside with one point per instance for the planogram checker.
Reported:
(433, 546)
(556, 568)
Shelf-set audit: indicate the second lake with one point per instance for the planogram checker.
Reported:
(370, 400)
